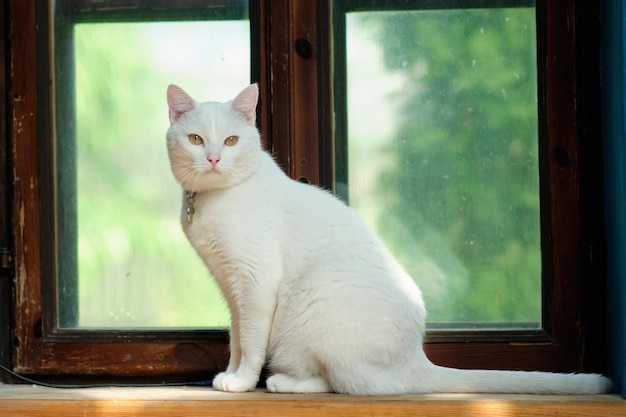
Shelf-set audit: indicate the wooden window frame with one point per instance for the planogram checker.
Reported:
(295, 74)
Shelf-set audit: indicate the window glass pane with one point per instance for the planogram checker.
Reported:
(442, 155)
(134, 266)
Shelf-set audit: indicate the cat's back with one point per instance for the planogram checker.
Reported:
(319, 226)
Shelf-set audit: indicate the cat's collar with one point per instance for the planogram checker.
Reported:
(190, 196)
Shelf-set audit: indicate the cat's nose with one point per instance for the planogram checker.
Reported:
(213, 159)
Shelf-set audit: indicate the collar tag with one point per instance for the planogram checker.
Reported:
(191, 199)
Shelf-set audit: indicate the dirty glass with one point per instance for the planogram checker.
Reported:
(441, 155)
(124, 261)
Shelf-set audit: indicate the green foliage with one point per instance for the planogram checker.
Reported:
(136, 268)
(464, 184)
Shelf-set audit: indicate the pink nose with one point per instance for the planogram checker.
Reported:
(213, 159)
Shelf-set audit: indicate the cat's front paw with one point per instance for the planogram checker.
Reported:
(232, 382)
(285, 383)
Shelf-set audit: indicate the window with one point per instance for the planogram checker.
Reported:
(119, 237)
(303, 123)
(440, 150)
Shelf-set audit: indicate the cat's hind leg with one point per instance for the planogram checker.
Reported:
(286, 384)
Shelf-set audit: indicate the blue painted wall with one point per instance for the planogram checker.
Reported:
(614, 131)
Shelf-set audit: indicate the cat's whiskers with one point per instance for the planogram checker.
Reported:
(186, 175)
(195, 175)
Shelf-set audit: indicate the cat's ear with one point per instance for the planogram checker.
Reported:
(179, 102)
(245, 103)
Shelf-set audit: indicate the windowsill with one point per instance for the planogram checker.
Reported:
(23, 400)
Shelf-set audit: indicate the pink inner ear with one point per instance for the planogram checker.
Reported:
(245, 103)
(179, 102)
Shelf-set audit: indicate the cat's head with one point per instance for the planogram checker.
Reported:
(212, 145)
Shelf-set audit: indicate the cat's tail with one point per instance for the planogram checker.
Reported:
(442, 379)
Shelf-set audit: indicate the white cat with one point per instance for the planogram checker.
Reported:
(311, 289)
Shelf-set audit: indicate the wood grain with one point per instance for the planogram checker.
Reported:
(25, 214)
(121, 402)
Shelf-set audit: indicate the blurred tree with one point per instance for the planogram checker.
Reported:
(465, 177)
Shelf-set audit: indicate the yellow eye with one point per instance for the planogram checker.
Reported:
(231, 140)
(195, 139)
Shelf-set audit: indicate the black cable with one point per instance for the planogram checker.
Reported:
(112, 385)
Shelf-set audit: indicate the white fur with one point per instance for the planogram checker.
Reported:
(310, 288)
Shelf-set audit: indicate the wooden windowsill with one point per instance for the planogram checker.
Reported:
(26, 400)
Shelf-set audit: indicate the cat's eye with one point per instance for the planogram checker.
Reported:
(231, 140)
(195, 139)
